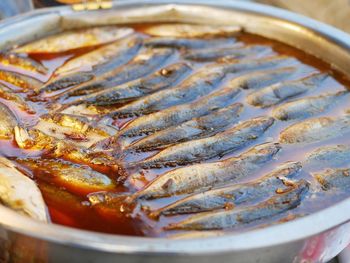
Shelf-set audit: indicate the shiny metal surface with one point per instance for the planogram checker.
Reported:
(317, 237)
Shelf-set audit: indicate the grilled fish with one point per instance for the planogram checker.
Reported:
(275, 205)
(75, 39)
(306, 107)
(200, 177)
(36, 140)
(333, 155)
(161, 79)
(8, 123)
(207, 148)
(179, 114)
(9, 95)
(73, 177)
(334, 178)
(193, 129)
(20, 193)
(279, 92)
(188, 42)
(192, 31)
(22, 62)
(145, 62)
(236, 51)
(235, 194)
(316, 129)
(95, 63)
(20, 81)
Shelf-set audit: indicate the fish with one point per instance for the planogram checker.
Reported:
(306, 107)
(86, 67)
(277, 204)
(204, 176)
(191, 30)
(159, 80)
(316, 129)
(189, 43)
(196, 128)
(74, 39)
(279, 92)
(331, 155)
(22, 62)
(9, 95)
(74, 129)
(20, 193)
(8, 122)
(236, 194)
(33, 139)
(235, 51)
(144, 63)
(210, 147)
(71, 176)
(178, 114)
(21, 81)
(338, 179)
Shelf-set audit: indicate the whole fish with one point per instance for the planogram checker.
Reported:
(193, 129)
(73, 177)
(200, 177)
(20, 81)
(22, 62)
(9, 95)
(8, 122)
(87, 67)
(306, 107)
(235, 194)
(76, 130)
(161, 79)
(189, 42)
(317, 129)
(20, 193)
(279, 92)
(74, 39)
(237, 51)
(207, 148)
(333, 155)
(36, 140)
(145, 62)
(191, 30)
(278, 204)
(178, 114)
(334, 178)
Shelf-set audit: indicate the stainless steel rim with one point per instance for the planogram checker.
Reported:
(277, 234)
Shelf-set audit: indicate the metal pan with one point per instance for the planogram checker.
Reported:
(316, 238)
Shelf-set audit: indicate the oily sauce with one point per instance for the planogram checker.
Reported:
(71, 207)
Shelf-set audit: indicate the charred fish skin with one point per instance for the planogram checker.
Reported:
(207, 148)
(70, 175)
(200, 177)
(333, 155)
(9, 95)
(188, 43)
(74, 39)
(161, 79)
(21, 81)
(334, 178)
(145, 62)
(316, 129)
(178, 114)
(193, 129)
(195, 86)
(20, 193)
(277, 93)
(306, 107)
(236, 51)
(192, 31)
(236, 194)
(277, 204)
(8, 122)
(126, 49)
